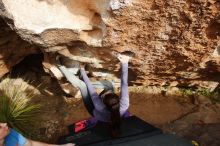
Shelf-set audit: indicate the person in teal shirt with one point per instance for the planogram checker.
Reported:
(10, 137)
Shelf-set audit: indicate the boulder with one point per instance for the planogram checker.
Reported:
(170, 39)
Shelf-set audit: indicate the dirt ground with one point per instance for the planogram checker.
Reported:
(193, 122)
(180, 115)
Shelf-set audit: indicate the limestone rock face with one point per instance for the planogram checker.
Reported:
(170, 38)
(57, 22)
(173, 41)
(12, 48)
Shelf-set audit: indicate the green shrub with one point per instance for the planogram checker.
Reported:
(187, 91)
(212, 95)
(15, 106)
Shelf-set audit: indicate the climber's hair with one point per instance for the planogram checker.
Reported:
(112, 102)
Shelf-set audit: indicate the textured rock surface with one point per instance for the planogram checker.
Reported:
(170, 38)
(173, 40)
(57, 22)
(12, 48)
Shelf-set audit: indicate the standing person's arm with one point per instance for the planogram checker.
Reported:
(36, 143)
(124, 101)
(15, 138)
(98, 104)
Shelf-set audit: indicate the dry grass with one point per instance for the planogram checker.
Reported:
(15, 106)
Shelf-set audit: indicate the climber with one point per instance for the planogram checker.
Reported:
(10, 137)
(108, 107)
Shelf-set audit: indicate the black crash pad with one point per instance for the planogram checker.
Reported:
(135, 132)
(156, 140)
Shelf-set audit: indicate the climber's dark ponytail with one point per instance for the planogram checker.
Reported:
(111, 100)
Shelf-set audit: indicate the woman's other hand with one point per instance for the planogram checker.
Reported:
(82, 65)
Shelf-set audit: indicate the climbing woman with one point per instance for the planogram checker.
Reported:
(108, 106)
